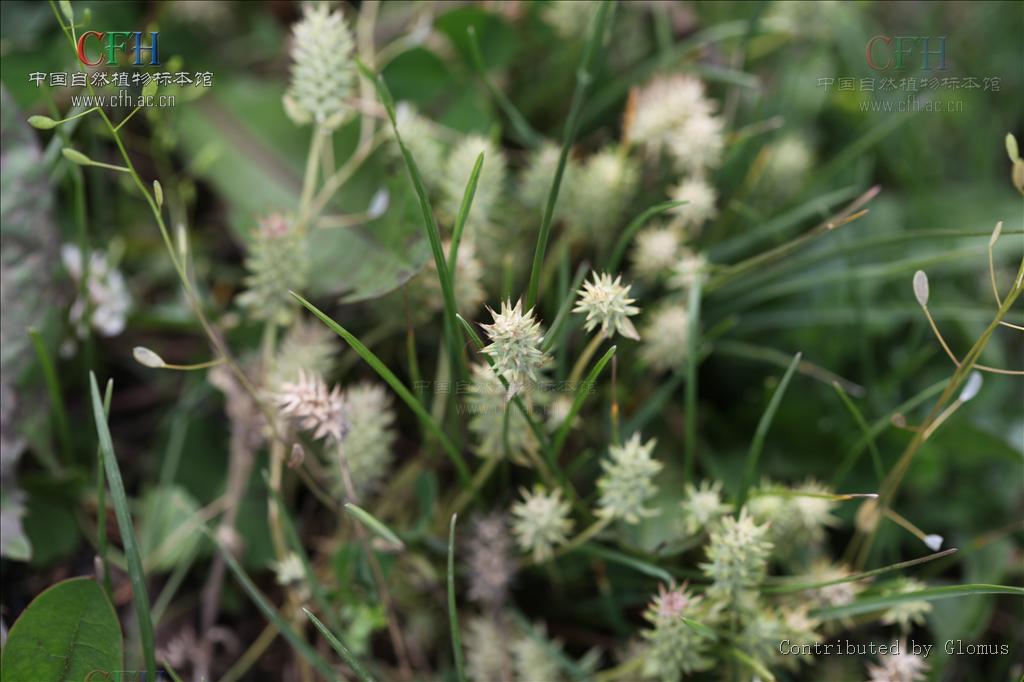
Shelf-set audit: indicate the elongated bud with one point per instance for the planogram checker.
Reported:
(297, 457)
(75, 156)
(1011, 148)
(65, 8)
(158, 194)
(934, 542)
(995, 234)
(147, 358)
(379, 204)
(971, 388)
(42, 122)
(921, 288)
(182, 235)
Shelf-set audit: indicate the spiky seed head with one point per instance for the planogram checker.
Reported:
(697, 143)
(903, 666)
(674, 648)
(490, 184)
(368, 441)
(515, 346)
(688, 268)
(606, 302)
(307, 346)
(703, 506)
(700, 200)
(737, 556)
(532, 656)
(278, 262)
(627, 480)
(323, 72)
(656, 110)
(487, 653)
(906, 614)
(655, 251)
(536, 177)
(664, 337)
(838, 594)
(599, 195)
(313, 407)
(541, 522)
(490, 565)
(106, 303)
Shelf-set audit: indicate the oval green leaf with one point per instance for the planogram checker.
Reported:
(66, 633)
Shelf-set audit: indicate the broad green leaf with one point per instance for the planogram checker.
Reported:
(67, 632)
(167, 528)
(240, 140)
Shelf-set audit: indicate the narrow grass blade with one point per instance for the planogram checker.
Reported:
(374, 524)
(762, 672)
(871, 604)
(730, 248)
(552, 336)
(53, 389)
(757, 444)
(615, 260)
(343, 651)
(298, 643)
(581, 395)
(522, 129)
(430, 224)
(397, 386)
(799, 584)
(453, 614)
(140, 597)
(692, 361)
(752, 351)
(617, 557)
(101, 498)
(858, 417)
(879, 425)
(460, 220)
(700, 628)
(292, 535)
(583, 79)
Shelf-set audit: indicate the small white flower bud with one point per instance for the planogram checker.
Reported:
(147, 358)
(995, 234)
(42, 122)
(971, 387)
(379, 204)
(75, 156)
(158, 194)
(934, 542)
(921, 288)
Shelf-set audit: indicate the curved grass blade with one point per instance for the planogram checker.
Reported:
(397, 386)
(453, 615)
(342, 650)
(757, 444)
(583, 79)
(298, 643)
(581, 395)
(460, 219)
(101, 499)
(140, 597)
(376, 527)
(60, 415)
(430, 224)
(870, 604)
(798, 584)
(617, 557)
(858, 417)
(523, 130)
(634, 226)
(762, 672)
